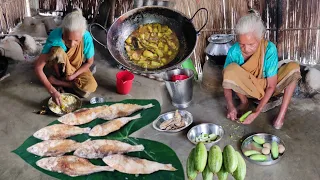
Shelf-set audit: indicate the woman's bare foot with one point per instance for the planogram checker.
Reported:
(278, 123)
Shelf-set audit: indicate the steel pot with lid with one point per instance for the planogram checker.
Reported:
(219, 44)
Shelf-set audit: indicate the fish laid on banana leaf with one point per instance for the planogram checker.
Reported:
(133, 165)
(87, 115)
(53, 147)
(71, 165)
(82, 116)
(121, 110)
(59, 131)
(111, 126)
(93, 149)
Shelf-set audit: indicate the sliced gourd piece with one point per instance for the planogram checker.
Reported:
(129, 40)
(159, 52)
(128, 49)
(164, 60)
(142, 58)
(166, 48)
(160, 45)
(154, 63)
(148, 54)
(155, 30)
(135, 56)
(159, 27)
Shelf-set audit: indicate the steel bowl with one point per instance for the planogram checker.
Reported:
(249, 144)
(186, 116)
(207, 128)
(95, 100)
(77, 105)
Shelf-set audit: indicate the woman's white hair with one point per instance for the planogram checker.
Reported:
(251, 23)
(74, 21)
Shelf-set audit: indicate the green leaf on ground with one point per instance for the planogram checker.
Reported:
(154, 151)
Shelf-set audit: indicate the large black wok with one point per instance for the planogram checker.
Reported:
(130, 21)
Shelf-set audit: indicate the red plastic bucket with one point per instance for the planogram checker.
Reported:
(124, 82)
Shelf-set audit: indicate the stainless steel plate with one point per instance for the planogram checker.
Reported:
(207, 128)
(186, 116)
(249, 144)
(77, 105)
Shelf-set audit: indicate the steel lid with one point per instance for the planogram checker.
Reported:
(220, 38)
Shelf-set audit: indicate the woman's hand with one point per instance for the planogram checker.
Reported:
(56, 97)
(251, 118)
(232, 113)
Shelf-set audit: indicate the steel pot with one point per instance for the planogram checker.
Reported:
(219, 44)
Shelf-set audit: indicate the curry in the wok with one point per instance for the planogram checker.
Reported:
(152, 46)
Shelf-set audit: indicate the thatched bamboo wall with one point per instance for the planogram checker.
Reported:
(299, 30)
(89, 7)
(11, 13)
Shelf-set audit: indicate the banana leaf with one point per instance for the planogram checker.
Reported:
(154, 151)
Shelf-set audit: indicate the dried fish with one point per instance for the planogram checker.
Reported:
(82, 116)
(70, 165)
(59, 131)
(99, 148)
(133, 165)
(53, 147)
(121, 110)
(175, 123)
(111, 126)
(87, 115)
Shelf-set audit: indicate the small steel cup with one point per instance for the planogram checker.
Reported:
(96, 100)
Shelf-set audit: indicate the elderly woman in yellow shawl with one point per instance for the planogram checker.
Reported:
(251, 70)
(69, 50)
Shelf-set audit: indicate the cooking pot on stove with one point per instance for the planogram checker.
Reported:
(219, 44)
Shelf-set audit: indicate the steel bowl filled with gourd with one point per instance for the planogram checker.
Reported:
(208, 133)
